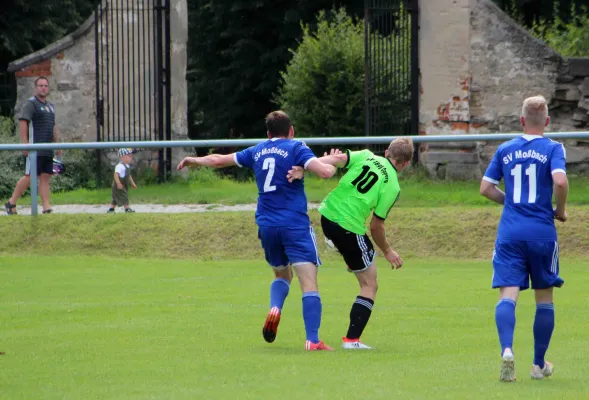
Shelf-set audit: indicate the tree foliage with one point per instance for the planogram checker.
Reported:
(570, 38)
(237, 49)
(563, 25)
(530, 12)
(30, 25)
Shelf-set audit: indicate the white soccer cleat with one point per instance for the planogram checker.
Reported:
(354, 344)
(507, 367)
(541, 373)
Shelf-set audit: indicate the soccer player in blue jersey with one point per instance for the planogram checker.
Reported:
(284, 228)
(533, 168)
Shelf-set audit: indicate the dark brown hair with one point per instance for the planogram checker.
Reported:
(278, 124)
(40, 79)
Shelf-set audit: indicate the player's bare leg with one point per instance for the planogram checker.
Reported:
(44, 191)
(362, 308)
(21, 186)
(278, 292)
(543, 328)
(505, 320)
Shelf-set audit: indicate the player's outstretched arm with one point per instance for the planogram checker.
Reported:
(379, 235)
(212, 161)
(335, 158)
(492, 192)
(321, 169)
(561, 190)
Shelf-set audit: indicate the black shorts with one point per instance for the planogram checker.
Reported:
(357, 250)
(44, 165)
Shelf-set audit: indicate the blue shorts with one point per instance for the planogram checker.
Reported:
(292, 245)
(516, 262)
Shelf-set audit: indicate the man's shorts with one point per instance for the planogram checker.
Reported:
(285, 246)
(44, 165)
(357, 250)
(516, 262)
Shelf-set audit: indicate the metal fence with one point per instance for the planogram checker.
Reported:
(355, 140)
(132, 52)
(7, 93)
(391, 84)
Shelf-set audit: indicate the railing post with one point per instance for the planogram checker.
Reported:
(34, 185)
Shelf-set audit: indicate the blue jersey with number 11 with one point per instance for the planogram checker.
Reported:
(280, 203)
(527, 164)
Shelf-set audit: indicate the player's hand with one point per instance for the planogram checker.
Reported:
(333, 152)
(186, 162)
(26, 153)
(134, 186)
(295, 173)
(560, 215)
(59, 153)
(120, 186)
(393, 258)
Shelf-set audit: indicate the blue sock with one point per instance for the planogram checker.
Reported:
(505, 320)
(543, 327)
(312, 315)
(278, 291)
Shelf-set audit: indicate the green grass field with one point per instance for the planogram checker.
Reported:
(82, 327)
(177, 314)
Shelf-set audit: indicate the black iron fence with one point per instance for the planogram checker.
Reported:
(391, 67)
(133, 73)
(7, 93)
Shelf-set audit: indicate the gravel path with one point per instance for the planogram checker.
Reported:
(146, 208)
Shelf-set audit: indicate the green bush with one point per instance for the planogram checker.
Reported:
(12, 163)
(80, 171)
(323, 85)
(570, 39)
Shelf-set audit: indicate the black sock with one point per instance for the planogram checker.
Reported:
(359, 316)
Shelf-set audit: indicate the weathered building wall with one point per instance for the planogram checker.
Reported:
(70, 65)
(494, 65)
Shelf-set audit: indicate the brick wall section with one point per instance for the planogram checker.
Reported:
(42, 68)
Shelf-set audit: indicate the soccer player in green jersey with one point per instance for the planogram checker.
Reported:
(369, 186)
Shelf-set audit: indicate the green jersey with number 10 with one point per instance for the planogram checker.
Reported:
(371, 183)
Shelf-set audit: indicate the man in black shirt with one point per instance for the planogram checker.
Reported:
(37, 125)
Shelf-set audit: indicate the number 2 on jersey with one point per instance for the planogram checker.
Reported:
(269, 164)
(516, 172)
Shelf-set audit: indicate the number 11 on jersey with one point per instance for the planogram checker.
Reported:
(516, 172)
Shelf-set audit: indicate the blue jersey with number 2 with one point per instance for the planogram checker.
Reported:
(280, 203)
(527, 164)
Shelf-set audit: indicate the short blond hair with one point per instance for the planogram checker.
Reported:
(535, 111)
(401, 150)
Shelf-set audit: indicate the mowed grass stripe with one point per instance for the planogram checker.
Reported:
(111, 328)
(455, 232)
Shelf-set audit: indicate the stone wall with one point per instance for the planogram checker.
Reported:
(70, 66)
(494, 67)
